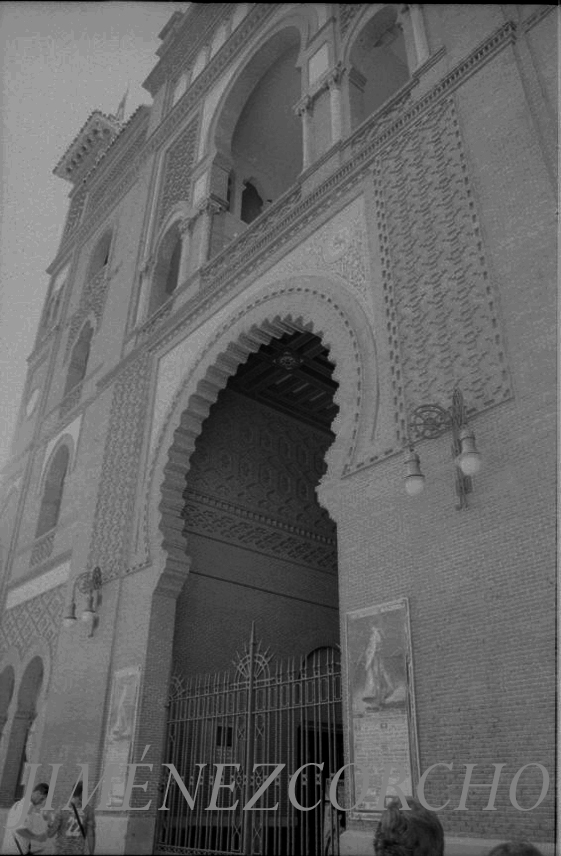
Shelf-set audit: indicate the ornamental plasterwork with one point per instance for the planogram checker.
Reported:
(38, 617)
(441, 307)
(178, 166)
(261, 465)
(338, 248)
(113, 517)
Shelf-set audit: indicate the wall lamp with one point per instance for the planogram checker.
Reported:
(430, 421)
(89, 583)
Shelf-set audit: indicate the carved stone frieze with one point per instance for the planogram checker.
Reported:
(40, 616)
(441, 309)
(120, 467)
(261, 537)
(178, 167)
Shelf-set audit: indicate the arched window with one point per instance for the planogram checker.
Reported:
(267, 139)
(258, 136)
(378, 64)
(79, 358)
(12, 785)
(52, 492)
(100, 255)
(166, 271)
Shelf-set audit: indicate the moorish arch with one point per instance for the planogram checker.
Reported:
(312, 303)
(320, 305)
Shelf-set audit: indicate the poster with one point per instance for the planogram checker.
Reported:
(382, 722)
(120, 728)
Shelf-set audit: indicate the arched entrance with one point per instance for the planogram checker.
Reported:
(255, 654)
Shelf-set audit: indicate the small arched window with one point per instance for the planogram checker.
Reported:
(166, 271)
(52, 492)
(100, 255)
(79, 358)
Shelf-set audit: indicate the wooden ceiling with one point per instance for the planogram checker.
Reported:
(293, 374)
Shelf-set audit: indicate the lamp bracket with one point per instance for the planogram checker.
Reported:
(429, 421)
(89, 581)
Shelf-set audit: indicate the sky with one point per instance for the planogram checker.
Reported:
(58, 63)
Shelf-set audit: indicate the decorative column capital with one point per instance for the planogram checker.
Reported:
(185, 224)
(209, 205)
(335, 76)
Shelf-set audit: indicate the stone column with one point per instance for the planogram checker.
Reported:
(303, 109)
(185, 231)
(206, 211)
(146, 272)
(334, 84)
(419, 32)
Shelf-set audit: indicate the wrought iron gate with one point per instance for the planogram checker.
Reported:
(284, 713)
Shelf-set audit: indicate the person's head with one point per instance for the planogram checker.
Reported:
(77, 793)
(515, 848)
(412, 832)
(39, 795)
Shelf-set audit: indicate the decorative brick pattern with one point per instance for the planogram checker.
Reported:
(177, 170)
(263, 536)
(116, 491)
(39, 616)
(442, 313)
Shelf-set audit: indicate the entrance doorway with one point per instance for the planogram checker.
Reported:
(264, 554)
(264, 715)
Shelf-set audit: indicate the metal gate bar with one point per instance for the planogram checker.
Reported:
(287, 713)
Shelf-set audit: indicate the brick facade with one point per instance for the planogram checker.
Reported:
(418, 246)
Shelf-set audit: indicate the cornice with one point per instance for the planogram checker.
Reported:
(537, 16)
(201, 499)
(97, 133)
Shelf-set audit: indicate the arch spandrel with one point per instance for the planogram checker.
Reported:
(307, 303)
